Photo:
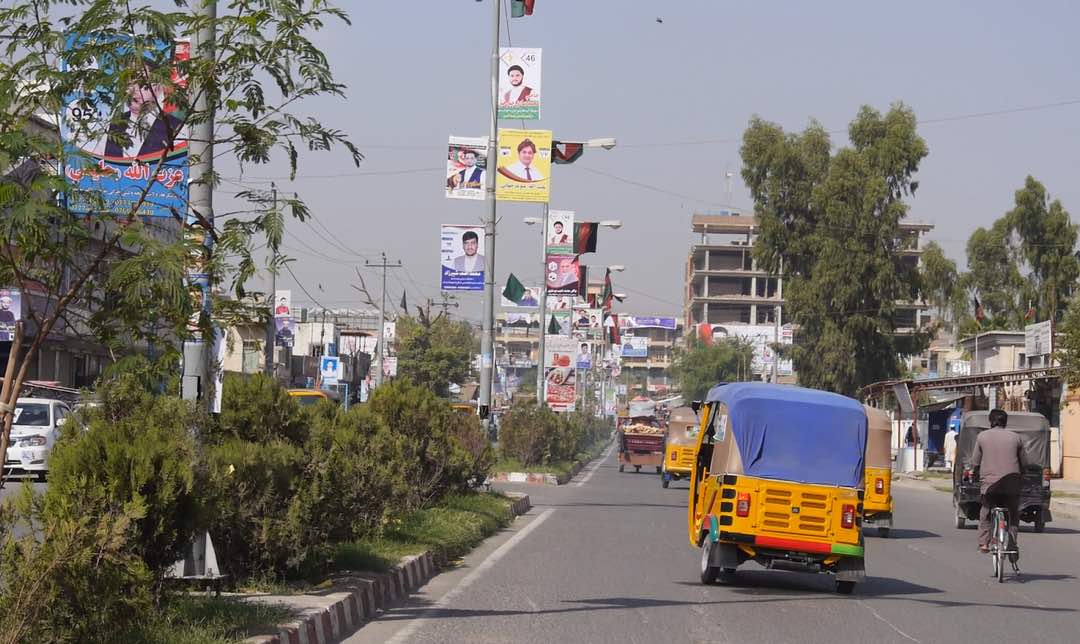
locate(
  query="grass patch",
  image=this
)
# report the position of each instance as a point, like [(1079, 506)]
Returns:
[(188, 619), (449, 529)]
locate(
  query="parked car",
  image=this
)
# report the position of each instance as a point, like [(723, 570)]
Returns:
[(34, 431)]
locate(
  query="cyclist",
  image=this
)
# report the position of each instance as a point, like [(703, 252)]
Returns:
[(999, 461)]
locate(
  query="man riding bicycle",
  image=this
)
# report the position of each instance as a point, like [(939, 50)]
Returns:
[(998, 462)]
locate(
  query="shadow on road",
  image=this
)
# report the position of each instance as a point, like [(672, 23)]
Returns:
[(902, 533), (1055, 530), (1025, 577)]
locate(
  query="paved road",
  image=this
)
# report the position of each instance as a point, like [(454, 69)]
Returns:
[(608, 561)]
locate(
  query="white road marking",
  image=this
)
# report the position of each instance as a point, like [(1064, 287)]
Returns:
[(890, 624), (404, 634), (595, 466)]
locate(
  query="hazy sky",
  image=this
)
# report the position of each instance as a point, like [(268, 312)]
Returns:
[(677, 95)]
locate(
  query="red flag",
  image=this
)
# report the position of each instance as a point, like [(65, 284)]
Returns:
[(606, 295), (979, 313), (585, 237), (1030, 312), (613, 319), (704, 331), (563, 152)]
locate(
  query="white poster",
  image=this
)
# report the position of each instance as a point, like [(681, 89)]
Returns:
[(282, 303), (466, 168), (559, 237), (519, 83), (560, 373), (462, 257), (584, 356)]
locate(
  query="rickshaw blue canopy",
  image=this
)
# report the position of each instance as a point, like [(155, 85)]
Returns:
[(791, 433)]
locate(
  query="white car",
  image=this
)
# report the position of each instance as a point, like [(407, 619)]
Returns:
[(33, 433)]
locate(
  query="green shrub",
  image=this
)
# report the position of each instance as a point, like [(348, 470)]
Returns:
[(255, 408), (143, 456), (528, 434), (250, 486)]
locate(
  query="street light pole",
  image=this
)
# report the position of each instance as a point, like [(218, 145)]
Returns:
[(543, 309), (487, 337)]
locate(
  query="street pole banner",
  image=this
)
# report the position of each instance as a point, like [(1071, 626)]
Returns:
[(562, 274), (462, 258), (282, 304), (635, 347), (519, 83), (390, 367), (10, 312), (109, 160), (330, 370), (466, 168), (587, 323), (639, 322), (560, 233), (560, 375), (528, 301), (584, 355), (524, 166), (560, 308), (283, 331)]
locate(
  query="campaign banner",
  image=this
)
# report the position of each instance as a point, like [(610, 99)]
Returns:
[(389, 366), (530, 300), (524, 166), (520, 319), (761, 337), (584, 355), (462, 257), (562, 275), (466, 168), (560, 307), (635, 347), (282, 304), (112, 153), (639, 322), (560, 374), (519, 83), (284, 329), (10, 313), (559, 237)]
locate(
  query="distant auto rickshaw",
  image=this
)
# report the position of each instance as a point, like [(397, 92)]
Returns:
[(777, 479), (1034, 432), (679, 447), (308, 397), (878, 501)]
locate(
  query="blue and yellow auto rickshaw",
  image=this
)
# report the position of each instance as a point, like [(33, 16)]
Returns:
[(679, 445), (778, 479), (878, 501)]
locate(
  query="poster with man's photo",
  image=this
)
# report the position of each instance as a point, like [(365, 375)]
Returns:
[(462, 257), (559, 237), (562, 274), (466, 168), (523, 166), (519, 83), (10, 312), (284, 331), (530, 300), (560, 372), (584, 355)]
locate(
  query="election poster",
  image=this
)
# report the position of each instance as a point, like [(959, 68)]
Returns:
[(520, 320), (519, 83), (523, 166), (113, 152), (562, 274), (560, 233), (560, 374), (282, 303), (584, 355), (284, 331), (462, 257), (530, 300), (640, 322), (635, 347), (466, 168), (560, 308), (10, 312)]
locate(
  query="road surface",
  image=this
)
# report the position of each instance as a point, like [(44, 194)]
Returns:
[(606, 559)]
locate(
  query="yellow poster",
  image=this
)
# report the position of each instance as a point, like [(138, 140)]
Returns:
[(524, 165)]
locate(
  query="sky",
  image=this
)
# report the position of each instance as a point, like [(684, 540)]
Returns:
[(676, 84)]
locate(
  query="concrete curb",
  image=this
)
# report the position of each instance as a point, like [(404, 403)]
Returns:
[(356, 598), (1065, 507), (542, 478)]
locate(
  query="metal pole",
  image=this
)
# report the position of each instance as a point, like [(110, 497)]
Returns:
[(271, 331), (776, 348), (487, 348), (543, 308), (382, 325)]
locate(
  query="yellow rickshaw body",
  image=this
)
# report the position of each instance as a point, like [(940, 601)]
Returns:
[(878, 501), (681, 442)]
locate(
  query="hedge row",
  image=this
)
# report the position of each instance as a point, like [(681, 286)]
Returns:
[(535, 435)]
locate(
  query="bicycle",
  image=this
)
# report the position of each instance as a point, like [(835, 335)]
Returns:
[(999, 544)]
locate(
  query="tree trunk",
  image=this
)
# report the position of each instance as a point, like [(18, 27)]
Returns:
[(9, 395)]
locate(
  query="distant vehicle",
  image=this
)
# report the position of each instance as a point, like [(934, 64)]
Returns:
[(35, 429), (308, 397)]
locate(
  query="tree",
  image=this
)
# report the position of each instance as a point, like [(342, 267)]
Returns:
[(994, 277), (699, 366), (434, 352), (95, 266), (830, 225), (1068, 353), (1048, 245), (940, 282)]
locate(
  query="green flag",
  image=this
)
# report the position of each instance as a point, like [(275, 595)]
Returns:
[(514, 290), (553, 327)]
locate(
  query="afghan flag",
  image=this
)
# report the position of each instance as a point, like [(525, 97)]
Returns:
[(979, 313), (404, 304), (553, 327), (514, 289), (606, 295), (521, 8), (592, 300), (585, 233), (583, 281), (563, 152), (613, 322)]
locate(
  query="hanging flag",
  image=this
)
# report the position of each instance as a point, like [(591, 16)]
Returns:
[(585, 233), (979, 313), (583, 281), (521, 8), (514, 290), (613, 322), (563, 152), (592, 301), (553, 327), (606, 295), (404, 305), (1030, 312)]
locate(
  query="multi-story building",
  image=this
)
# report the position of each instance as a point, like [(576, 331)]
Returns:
[(653, 370), (724, 284)]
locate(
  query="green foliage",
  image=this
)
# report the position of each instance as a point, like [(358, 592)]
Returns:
[(940, 280), (187, 619), (994, 276), (825, 217), (532, 434), (141, 456), (699, 366), (1068, 349), (256, 408), (435, 352)]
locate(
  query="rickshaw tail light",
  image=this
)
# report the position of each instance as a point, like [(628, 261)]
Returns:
[(847, 518), (879, 486), (674, 456), (742, 504)]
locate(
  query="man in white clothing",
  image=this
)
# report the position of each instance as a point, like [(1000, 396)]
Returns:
[(523, 170)]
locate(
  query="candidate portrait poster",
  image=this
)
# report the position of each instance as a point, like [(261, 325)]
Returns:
[(284, 331), (282, 304), (562, 274), (584, 355), (530, 300), (560, 373), (559, 236), (462, 257), (466, 168), (523, 166), (519, 83), (10, 312), (635, 347)]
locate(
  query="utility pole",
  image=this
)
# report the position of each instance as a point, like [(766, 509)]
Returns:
[(384, 265), (487, 336), (446, 304), (543, 310), (776, 347), (271, 330)]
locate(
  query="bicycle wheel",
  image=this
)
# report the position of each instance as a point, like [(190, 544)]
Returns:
[(1002, 538)]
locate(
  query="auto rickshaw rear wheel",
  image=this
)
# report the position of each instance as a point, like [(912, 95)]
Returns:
[(1040, 522), (960, 520), (709, 573), (845, 587), (664, 482), (637, 468)]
